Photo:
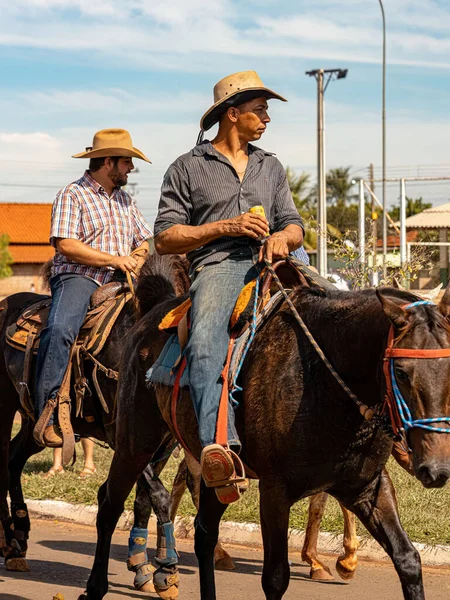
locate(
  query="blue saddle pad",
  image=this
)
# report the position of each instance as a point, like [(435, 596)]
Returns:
[(162, 370)]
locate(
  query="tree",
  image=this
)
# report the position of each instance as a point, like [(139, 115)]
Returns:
[(5, 257), (303, 195), (339, 186), (414, 206)]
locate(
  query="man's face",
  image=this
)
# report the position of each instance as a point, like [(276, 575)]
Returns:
[(119, 173), (252, 118)]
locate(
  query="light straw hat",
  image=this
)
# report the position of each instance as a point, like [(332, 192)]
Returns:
[(112, 142), (228, 91)]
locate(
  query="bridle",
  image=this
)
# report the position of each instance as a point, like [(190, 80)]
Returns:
[(401, 417), (401, 420)]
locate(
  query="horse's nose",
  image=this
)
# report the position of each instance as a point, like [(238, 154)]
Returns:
[(433, 474)]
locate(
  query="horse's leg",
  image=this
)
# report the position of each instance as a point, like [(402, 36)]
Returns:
[(22, 447), (166, 577), (274, 509), (123, 474), (377, 510), (318, 571), (137, 544), (206, 535), (222, 560), (11, 548), (346, 563)]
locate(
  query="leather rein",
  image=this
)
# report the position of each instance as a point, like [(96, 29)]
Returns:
[(400, 415)]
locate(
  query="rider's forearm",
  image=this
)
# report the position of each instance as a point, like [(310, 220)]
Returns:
[(180, 239), (81, 253)]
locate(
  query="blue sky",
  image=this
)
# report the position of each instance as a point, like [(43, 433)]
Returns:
[(71, 67)]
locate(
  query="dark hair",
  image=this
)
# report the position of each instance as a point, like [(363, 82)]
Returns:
[(95, 164)]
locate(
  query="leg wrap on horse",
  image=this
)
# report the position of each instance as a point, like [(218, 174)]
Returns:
[(137, 548), (137, 560), (166, 553), (22, 524), (167, 581)]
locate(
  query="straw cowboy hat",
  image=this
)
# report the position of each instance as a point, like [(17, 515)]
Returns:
[(233, 90), (112, 142)]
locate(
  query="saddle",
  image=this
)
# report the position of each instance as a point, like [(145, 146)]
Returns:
[(105, 306), (255, 300)]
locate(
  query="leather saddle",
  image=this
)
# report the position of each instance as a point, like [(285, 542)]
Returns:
[(105, 306)]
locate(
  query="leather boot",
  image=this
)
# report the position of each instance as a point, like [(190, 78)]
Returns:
[(52, 437)]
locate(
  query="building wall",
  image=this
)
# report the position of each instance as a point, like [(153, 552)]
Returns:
[(23, 278)]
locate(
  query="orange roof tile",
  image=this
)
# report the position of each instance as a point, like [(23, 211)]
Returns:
[(31, 253), (25, 223)]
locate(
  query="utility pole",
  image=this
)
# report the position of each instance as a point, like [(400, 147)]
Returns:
[(374, 227), (323, 78)]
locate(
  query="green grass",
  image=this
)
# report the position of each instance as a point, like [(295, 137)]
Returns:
[(425, 513)]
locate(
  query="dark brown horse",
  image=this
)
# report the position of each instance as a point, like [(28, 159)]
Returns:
[(13, 456), (301, 432)]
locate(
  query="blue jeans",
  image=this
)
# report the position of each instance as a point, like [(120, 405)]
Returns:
[(214, 292), (70, 301)]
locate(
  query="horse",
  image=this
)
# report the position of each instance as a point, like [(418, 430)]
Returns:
[(302, 434), (13, 455)]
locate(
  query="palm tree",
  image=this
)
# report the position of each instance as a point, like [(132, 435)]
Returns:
[(304, 196), (338, 187)]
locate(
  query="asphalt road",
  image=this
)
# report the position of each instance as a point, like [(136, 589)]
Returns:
[(61, 555)]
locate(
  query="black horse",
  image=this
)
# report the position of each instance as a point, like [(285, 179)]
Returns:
[(150, 492), (301, 432)]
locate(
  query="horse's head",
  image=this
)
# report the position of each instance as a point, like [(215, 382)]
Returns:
[(421, 382)]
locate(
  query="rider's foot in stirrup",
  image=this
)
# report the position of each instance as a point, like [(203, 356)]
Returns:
[(52, 436)]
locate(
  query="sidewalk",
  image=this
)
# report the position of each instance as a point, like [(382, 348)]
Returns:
[(246, 534)]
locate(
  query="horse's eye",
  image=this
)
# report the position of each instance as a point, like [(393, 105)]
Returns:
[(401, 376)]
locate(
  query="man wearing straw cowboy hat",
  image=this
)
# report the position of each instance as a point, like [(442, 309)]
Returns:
[(95, 225), (204, 212)]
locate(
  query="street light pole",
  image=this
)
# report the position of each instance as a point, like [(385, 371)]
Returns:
[(321, 181), (383, 120), (320, 75)]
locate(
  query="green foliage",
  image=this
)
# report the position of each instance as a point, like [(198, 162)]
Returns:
[(358, 275), (304, 197), (5, 257), (339, 186), (414, 206)]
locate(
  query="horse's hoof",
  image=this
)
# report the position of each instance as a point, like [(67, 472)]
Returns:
[(225, 563), (321, 574), (17, 564), (168, 584), (148, 588), (82, 597), (343, 572), (143, 580)]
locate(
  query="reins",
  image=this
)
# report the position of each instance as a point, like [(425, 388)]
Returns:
[(401, 416), (401, 419)]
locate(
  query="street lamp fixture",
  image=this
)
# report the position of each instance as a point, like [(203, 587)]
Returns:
[(323, 78)]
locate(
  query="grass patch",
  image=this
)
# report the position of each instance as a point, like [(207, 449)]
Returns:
[(425, 513)]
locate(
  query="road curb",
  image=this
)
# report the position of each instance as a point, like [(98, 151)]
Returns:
[(245, 534)]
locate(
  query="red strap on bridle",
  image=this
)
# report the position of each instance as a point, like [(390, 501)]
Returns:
[(392, 352)]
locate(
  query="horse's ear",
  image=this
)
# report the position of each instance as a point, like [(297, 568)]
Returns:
[(444, 304), (392, 310)]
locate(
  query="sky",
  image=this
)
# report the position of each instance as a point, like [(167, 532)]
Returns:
[(72, 67)]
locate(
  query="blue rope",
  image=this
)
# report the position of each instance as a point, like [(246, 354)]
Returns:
[(234, 386), (403, 409)]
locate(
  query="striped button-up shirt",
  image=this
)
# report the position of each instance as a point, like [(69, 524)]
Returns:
[(113, 224), (202, 186)]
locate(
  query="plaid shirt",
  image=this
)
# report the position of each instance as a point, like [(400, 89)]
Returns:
[(84, 211)]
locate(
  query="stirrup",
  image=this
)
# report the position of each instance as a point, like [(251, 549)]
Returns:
[(221, 466)]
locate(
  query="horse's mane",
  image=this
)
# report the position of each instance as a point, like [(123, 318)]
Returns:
[(321, 301), (161, 277)]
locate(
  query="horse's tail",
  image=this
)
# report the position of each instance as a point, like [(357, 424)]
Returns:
[(161, 278)]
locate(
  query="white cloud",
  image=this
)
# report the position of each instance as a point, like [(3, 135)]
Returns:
[(168, 33)]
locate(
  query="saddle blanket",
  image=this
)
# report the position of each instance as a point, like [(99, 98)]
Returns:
[(164, 370)]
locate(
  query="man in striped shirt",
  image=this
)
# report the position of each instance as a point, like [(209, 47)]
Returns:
[(95, 226), (204, 212)]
